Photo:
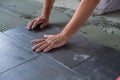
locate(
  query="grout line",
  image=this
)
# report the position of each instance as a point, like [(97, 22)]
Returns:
[(87, 59), (19, 43), (83, 61), (20, 64), (62, 65)]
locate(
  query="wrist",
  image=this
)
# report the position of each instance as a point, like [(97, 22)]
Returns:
[(64, 36), (44, 15), (45, 12)]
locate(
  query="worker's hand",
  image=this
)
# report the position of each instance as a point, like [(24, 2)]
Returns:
[(40, 20), (48, 42)]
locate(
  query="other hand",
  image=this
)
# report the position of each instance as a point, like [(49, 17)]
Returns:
[(40, 20)]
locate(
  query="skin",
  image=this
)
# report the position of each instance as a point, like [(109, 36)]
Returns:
[(49, 42)]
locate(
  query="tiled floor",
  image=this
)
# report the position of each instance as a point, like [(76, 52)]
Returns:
[(79, 59)]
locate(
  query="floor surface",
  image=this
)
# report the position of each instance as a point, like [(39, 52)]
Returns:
[(79, 59), (91, 54)]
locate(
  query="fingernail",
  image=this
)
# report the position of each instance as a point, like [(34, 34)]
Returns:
[(45, 35), (33, 48), (37, 50)]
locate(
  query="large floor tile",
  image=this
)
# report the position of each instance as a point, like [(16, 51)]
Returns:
[(74, 52), (40, 68), (12, 53), (103, 66)]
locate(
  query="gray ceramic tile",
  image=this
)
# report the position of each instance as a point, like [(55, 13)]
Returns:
[(40, 68), (103, 66), (77, 50), (12, 53), (24, 36)]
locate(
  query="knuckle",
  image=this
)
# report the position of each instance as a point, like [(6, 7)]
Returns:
[(43, 18), (31, 21)]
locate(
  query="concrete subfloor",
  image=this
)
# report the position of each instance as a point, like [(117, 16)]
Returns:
[(104, 29)]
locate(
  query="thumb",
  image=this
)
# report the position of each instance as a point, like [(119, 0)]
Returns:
[(42, 25), (46, 36)]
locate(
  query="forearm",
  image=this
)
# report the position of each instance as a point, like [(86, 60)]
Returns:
[(80, 16), (47, 6)]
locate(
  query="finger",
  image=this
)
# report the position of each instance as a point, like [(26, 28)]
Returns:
[(29, 25), (38, 45), (38, 21), (35, 24), (42, 25), (42, 47), (48, 48), (46, 37), (37, 41)]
